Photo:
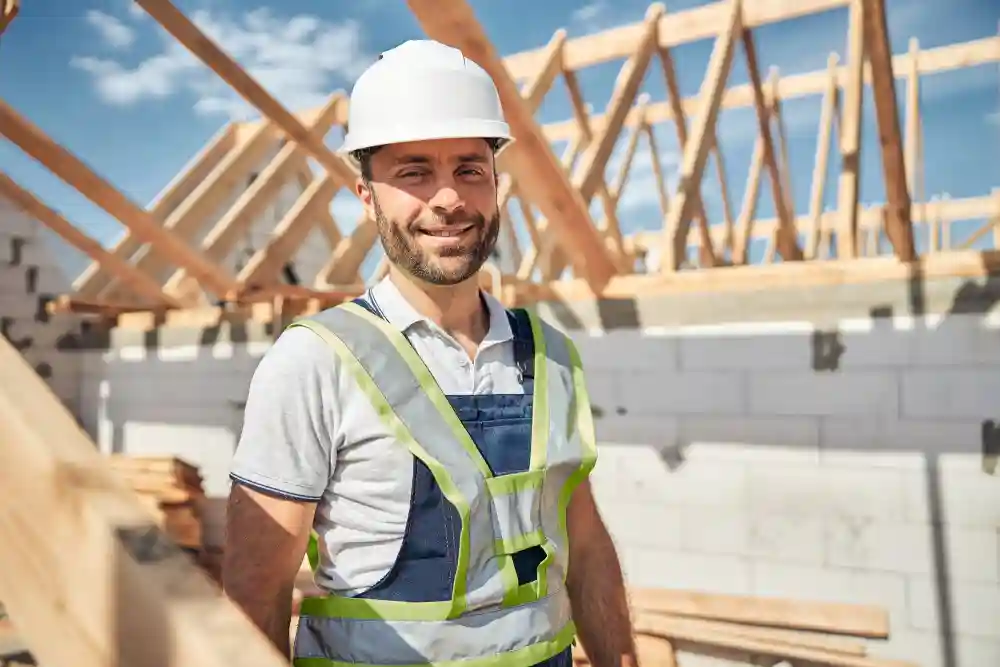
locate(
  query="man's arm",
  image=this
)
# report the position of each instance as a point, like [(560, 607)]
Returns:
[(281, 468), (266, 539), (596, 586)]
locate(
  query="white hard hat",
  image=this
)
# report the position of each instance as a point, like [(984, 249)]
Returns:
[(422, 90)]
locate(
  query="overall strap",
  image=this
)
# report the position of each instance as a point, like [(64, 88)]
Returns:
[(524, 347)]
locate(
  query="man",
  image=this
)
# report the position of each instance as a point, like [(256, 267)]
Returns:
[(435, 445)]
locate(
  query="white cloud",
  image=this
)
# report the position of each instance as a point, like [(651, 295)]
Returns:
[(113, 31), (300, 60), (593, 17), (134, 10)]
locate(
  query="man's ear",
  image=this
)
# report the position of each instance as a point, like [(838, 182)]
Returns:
[(364, 191)]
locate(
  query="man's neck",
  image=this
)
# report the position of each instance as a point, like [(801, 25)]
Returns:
[(458, 309)]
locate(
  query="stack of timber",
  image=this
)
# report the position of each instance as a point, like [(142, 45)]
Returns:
[(172, 489), (752, 630)]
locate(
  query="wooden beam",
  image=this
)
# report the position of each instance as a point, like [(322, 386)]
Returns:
[(542, 82), (675, 28), (541, 177), (696, 150), (141, 283), (897, 222), (594, 160), (588, 174), (74, 172), (786, 241), (707, 256), (756, 277), (347, 259), (969, 208), (199, 44), (230, 175), (822, 162), (932, 61), (124, 594), (850, 136), (91, 281), (289, 234), (221, 238), (748, 210), (686, 630), (8, 11)]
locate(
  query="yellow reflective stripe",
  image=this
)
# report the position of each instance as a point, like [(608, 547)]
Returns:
[(312, 551), (507, 547), (386, 608), (540, 407), (520, 543), (427, 383), (332, 606), (529, 655), (588, 442), (515, 482)]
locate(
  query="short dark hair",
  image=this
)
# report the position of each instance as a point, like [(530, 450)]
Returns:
[(364, 156)]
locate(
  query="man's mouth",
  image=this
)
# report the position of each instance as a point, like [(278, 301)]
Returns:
[(447, 232)]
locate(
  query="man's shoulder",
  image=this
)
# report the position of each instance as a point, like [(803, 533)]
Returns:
[(297, 353)]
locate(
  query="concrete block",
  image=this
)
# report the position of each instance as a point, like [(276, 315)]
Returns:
[(655, 393), (791, 440), (827, 491), (16, 223), (746, 345), (922, 649), (786, 538), (636, 524), (640, 472), (828, 584), (967, 554), (17, 306), (950, 393), (958, 340), (891, 437), (976, 651), (657, 432), (714, 530), (675, 569), (627, 349), (821, 394), (871, 343), (965, 608), (954, 495)]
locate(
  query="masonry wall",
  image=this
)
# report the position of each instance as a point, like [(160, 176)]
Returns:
[(29, 277), (835, 444), (826, 443)]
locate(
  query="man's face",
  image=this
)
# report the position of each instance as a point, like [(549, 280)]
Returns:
[(436, 207)]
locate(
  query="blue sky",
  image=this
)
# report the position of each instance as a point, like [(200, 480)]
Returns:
[(108, 84)]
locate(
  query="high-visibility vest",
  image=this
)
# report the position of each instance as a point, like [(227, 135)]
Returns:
[(490, 618)]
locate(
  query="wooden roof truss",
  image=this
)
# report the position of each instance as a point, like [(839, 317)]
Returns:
[(171, 256)]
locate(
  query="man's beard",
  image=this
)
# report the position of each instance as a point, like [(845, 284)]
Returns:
[(404, 251)]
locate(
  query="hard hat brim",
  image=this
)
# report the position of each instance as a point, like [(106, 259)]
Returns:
[(451, 129)]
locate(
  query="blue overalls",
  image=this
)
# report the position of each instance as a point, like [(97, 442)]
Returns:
[(500, 426)]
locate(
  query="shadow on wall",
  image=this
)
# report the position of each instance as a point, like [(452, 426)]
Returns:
[(904, 368)]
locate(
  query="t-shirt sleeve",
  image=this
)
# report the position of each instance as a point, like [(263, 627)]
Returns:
[(287, 444)]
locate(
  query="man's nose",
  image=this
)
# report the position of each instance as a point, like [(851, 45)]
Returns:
[(446, 198)]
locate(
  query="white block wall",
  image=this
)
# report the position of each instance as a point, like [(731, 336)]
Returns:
[(753, 473), (29, 274)]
